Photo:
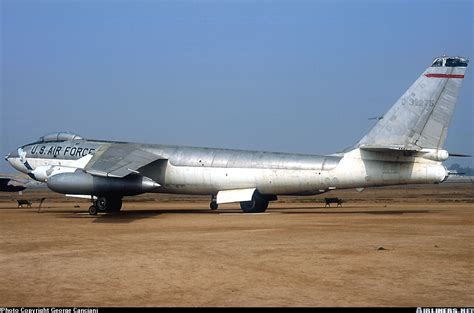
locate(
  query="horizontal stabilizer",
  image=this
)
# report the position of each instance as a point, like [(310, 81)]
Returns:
[(430, 154), (389, 148)]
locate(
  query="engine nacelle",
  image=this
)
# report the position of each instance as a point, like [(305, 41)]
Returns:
[(423, 173), (81, 183), (436, 174), (435, 155)]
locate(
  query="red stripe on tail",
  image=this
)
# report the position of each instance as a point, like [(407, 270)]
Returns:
[(444, 75)]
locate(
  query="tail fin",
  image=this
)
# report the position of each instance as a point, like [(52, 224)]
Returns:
[(420, 118)]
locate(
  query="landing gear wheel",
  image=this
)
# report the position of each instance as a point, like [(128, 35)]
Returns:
[(92, 210), (115, 204), (102, 204), (258, 204), (109, 204), (213, 205)]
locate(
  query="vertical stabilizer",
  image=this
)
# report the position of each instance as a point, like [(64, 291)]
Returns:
[(420, 118)]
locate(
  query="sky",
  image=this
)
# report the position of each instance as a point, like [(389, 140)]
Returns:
[(288, 76)]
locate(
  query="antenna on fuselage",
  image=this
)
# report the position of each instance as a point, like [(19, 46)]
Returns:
[(378, 118)]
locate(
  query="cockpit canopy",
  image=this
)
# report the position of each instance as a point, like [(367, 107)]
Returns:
[(61, 136), (450, 62)]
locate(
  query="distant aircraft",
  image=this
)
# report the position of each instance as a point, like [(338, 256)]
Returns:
[(405, 147), (12, 184)]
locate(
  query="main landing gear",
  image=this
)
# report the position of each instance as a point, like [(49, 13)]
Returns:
[(258, 204), (105, 204)]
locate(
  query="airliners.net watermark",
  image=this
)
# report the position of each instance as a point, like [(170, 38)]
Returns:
[(444, 310)]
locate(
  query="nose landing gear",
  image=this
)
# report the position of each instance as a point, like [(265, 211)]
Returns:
[(213, 205), (93, 210)]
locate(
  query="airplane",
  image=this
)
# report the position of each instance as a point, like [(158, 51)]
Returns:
[(405, 147), (12, 184), (17, 183)]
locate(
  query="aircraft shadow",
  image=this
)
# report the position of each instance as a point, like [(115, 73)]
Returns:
[(123, 216), (130, 216), (133, 215)]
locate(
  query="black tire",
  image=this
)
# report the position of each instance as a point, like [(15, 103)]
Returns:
[(92, 210), (115, 205), (109, 204), (102, 203), (213, 205), (256, 205)]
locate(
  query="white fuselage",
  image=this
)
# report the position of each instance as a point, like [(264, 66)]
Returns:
[(351, 172), (354, 169)]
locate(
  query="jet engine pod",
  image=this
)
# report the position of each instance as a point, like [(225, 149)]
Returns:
[(82, 183), (436, 174), (41, 173)]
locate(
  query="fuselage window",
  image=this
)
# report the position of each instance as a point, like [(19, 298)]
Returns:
[(437, 63), (455, 62)]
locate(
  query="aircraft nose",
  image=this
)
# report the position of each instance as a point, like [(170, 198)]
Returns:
[(14, 159), (11, 156)]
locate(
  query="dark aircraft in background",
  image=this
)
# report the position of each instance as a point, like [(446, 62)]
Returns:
[(12, 184)]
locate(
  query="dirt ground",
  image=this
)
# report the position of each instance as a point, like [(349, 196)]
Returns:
[(404, 246)]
